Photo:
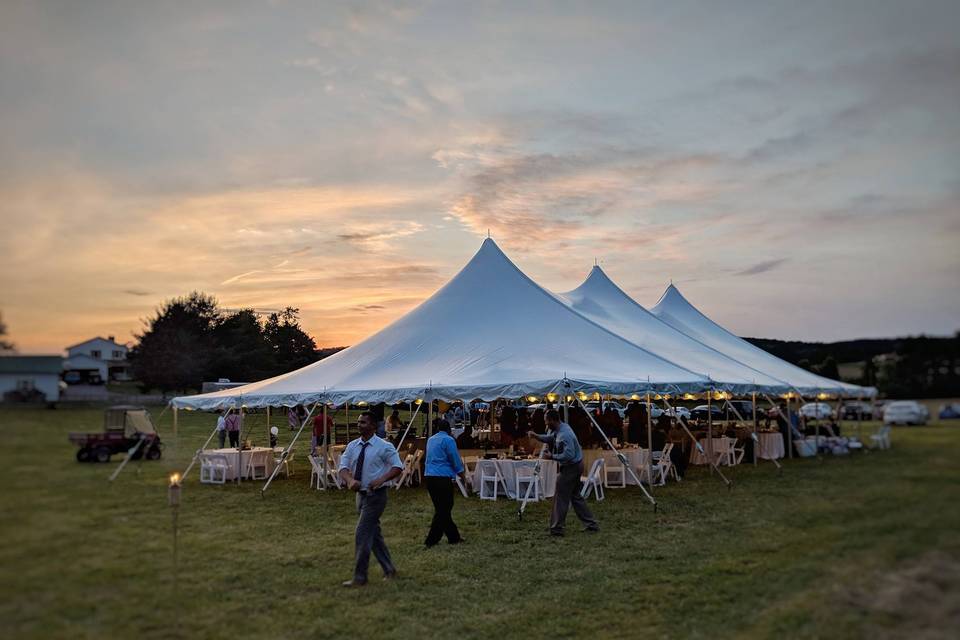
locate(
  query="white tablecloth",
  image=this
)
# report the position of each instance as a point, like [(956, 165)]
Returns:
[(637, 457), (261, 455), (548, 475), (770, 446)]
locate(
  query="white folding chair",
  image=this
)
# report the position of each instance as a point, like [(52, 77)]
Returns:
[(407, 472), (663, 465), (470, 468), (416, 472), (737, 453), (490, 479), (523, 477), (285, 463), (881, 439), (213, 469), (256, 468), (614, 473), (592, 481), (316, 471)]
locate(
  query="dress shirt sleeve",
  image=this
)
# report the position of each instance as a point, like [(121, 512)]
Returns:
[(346, 459), (546, 438), (390, 456), (563, 450), (454, 456)]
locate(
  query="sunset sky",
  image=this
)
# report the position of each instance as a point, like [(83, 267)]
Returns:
[(794, 167)]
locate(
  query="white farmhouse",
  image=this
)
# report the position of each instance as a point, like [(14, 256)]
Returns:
[(95, 361), (25, 377)]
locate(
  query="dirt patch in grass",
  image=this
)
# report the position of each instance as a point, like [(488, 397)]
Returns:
[(919, 598)]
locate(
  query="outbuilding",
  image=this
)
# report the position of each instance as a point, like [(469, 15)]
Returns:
[(30, 378)]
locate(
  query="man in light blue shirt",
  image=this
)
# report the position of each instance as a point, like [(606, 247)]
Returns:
[(565, 450), (442, 466), (367, 465)]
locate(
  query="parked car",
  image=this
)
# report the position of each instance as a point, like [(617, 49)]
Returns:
[(905, 412), (816, 410), (855, 409), (743, 407), (678, 412), (596, 408), (949, 411), (701, 412)]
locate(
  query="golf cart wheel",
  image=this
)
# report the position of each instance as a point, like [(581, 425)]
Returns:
[(101, 454), (153, 453), (83, 455)]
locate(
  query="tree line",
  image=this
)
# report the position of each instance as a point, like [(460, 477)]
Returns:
[(191, 340)]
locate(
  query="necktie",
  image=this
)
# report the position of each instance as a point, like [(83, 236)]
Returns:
[(358, 474)]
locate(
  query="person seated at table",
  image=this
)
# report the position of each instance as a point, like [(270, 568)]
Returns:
[(508, 424), (536, 421), (523, 422), (659, 437), (832, 427), (582, 427), (680, 453), (395, 424)]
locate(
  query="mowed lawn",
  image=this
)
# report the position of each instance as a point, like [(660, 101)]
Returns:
[(849, 547)]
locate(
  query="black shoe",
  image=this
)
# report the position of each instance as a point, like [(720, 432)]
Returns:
[(459, 541), (592, 529), (390, 576), (558, 534), (353, 583)]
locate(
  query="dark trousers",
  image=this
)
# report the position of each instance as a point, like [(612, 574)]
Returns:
[(369, 537), (679, 457), (234, 438), (222, 438), (441, 492), (567, 491)]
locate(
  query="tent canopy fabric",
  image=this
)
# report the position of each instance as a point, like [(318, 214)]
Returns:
[(676, 311), (490, 332), (601, 300)]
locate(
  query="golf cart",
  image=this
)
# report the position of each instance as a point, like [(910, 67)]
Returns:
[(124, 428)]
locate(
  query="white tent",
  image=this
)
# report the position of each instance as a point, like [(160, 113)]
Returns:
[(676, 311), (490, 332), (602, 301)]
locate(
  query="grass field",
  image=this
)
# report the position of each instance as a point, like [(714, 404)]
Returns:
[(838, 548)]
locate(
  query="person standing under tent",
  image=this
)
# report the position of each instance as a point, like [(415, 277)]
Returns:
[(221, 430), (636, 422), (366, 466), (293, 418), (317, 439), (566, 451), (441, 467), (232, 422), (395, 424)]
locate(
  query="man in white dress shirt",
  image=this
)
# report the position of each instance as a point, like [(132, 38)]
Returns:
[(367, 465)]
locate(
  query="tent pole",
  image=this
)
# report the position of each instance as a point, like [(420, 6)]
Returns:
[(789, 428), (649, 442), (430, 418), (786, 418), (346, 408), (268, 424), (289, 448), (817, 431), (622, 458), (196, 455), (859, 415), (753, 428), (697, 444), (409, 424), (710, 428), (326, 446), (175, 421), (240, 444)]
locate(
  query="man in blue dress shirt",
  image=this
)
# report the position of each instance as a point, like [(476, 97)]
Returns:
[(565, 450), (366, 466), (442, 466)]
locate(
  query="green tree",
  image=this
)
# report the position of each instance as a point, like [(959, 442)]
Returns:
[(177, 349), (242, 351), (292, 347)]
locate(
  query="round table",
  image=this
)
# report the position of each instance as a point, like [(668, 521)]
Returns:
[(770, 446)]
